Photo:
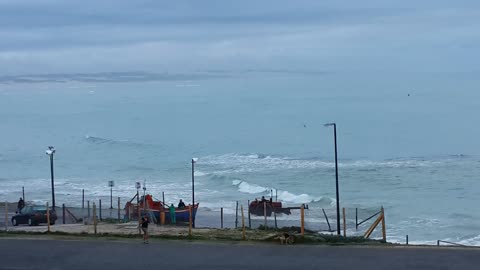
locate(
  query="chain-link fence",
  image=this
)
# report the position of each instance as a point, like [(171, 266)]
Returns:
[(315, 219)]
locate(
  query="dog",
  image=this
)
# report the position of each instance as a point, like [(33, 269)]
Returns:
[(286, 238)]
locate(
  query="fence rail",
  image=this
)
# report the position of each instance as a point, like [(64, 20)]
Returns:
[(315, 219), (365, 220), (450, 243)]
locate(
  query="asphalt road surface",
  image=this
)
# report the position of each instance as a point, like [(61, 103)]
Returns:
[(133, 254)]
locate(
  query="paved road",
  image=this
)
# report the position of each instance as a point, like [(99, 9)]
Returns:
[(132, 254)]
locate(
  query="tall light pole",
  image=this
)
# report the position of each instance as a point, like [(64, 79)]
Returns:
[(50, 153), (336, 173), (144, 194), (111, 184), (193, 189)]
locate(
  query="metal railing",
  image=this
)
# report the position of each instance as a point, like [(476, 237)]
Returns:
[(365, 220), (450, 243)]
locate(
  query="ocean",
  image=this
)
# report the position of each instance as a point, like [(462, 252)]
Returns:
[(407, 142)]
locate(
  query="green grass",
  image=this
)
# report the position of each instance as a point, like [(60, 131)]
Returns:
[(219, 235)]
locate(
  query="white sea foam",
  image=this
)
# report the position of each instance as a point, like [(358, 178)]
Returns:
[(284, 196), (236, 182), (200, 173), (293, 198), (251, 188), (473, 241), (244, 163)]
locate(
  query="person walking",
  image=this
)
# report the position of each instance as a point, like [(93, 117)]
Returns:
[(172, 214), (145, 229)]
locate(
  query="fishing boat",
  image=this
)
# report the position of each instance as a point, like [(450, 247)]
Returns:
[(267, 207), (146, 206)]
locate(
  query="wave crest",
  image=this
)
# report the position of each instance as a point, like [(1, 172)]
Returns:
[(283, 195), (245, 163)]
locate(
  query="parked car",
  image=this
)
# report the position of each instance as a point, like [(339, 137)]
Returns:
[(33, 215)]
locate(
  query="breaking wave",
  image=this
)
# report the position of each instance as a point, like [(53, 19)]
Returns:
[(283, 195), (244, 163)]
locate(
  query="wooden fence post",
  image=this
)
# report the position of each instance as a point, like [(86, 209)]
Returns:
[(243, 226), (139, 219), (221, 217), (249, 219), (302, 219), (275, 217), (384, 232), (94, 218), (118, 209), (326, 218), (48, 218), (265, 214), (63, 213), (6, 216), (248, 212), (162, 216), (373, 226), (356, 219), (236, 215), (190, 221)]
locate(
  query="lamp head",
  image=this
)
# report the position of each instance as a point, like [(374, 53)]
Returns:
[(194, 160), (50, 151), (329, 124)]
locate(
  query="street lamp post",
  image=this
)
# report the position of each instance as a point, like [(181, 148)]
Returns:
[(138, 186), (144, 194), (336, 173), (193, 189), (50, 153), (111, 184)]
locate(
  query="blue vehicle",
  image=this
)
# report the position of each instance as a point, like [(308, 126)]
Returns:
[(33, 215)]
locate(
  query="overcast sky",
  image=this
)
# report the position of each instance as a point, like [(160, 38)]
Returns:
[(89, 36)]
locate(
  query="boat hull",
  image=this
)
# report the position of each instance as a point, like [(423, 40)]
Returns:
[(259, 208), (148, 207), (181, 215)]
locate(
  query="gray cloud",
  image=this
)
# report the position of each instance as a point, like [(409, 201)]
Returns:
[(48, 36)]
